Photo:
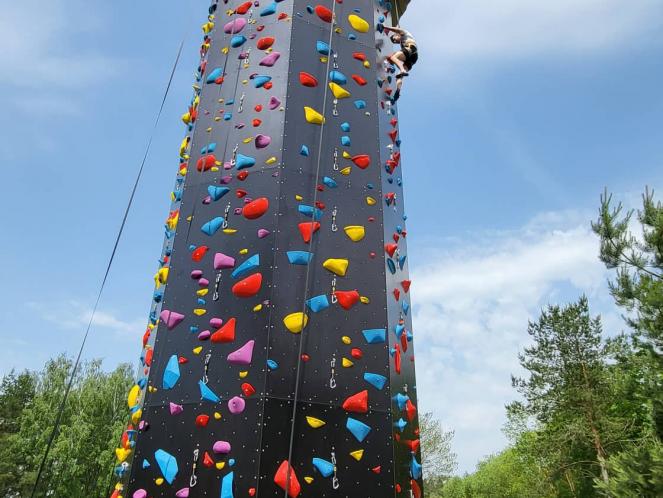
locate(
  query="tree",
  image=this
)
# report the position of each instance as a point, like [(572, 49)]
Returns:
[(568, 395), (638, 285), (439, 462), (82, 456)]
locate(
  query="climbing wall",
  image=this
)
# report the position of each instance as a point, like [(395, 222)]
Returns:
[(278, 357)]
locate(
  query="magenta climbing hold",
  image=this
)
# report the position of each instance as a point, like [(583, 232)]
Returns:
[(175, 409), (235, 26), (263, 232), (243, 355), (270, 60), (171, 318), (215, 322), (262, 141), (140, 493), (236, 405), (221, 447), (222, 261), (182, 493), (274, 103)]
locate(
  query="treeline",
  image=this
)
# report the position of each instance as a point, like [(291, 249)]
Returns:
[(82, 458), (590, 417)]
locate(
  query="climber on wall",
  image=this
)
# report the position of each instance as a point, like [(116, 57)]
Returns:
[(404, 58)]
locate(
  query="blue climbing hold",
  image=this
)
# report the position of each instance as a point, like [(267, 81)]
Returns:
[(208, 148), (172, 373), (310, 211), (207, 393), (375, 336), (392, 266), (398, 330), (304, 151), (212, 226), (237, 41), (360, 104), (214, 75), (345, 127), (338, 77), (167, 464), (406, 308), (146, 464), (322, 48), (324, 467), (247, 266), (260, 80), (272, 365), (269, 10), (376, 380), (358, 429), (227, 486), (401, 400), (345, 141), (400, 424), (216, 192), (318, 303), (415, 468), (300, 257), (242, 161), (329, 182)]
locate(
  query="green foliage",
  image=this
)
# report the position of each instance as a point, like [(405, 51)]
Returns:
[(439, 461), (82, 456), (636, 473)]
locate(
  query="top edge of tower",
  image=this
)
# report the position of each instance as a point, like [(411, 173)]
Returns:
[(400, 6)]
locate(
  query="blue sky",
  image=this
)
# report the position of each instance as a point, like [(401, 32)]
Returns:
[(516, 117)]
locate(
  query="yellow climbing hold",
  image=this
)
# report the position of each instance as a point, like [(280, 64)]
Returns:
[(338, 91), (135, 416), (243, 374), (247, 140), (217, 416), (355, 232), (161, 277), (346, 171), (229, 231), (337, 266), (243, 251), (257, 307), (364, 300), (370, 201), (357, 454), (199, 311), (299, 198), (122, 454), (346, 155), (158, 481), (308, 479), (316, 423), (197, 350), (220, 465), (202, 292), (346, 340), (152, 389), (271, 160), (134, 393), (358, 24), (346, 363), (367, 64), (295, 322), (313, 116)]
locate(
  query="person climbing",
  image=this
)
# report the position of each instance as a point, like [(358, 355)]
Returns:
[(404, 58)]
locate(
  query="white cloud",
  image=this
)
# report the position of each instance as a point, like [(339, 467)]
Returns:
[(472, 300)]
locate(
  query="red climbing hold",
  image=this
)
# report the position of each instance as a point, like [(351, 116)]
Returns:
[(323, 13), (390, 249), (393, 134), (206, 162), (397, 360), (225, 333), (357, 403), (202, 420), (182, 360), (255, 209), (347, 299), (282, 16), (240, 193), (398, 488), (265, 43), (359, 80), (307, 79), (410, 410), (404, 342), (360, 56), (307, 229), (148, 357), (258, 108), (256, 123), (199, 253), (416, 490), (248, 390), (356, 353), (244, 8), (397, 294), (252, 491), (242, 175), (285, 476), (249, 286), (207, 460), (406, 285), (362, 161), (377, 469)]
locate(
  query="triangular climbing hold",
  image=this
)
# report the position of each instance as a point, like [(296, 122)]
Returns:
[(337, 266), (347, 299), (355, 232), (316, 423), (243, 355), (226, 333), (357, 428), (313, 116), (167, 465), (357, 454), (286, 479), (171, 373), (338, 91), (362, 161), (207, 393), (357, 403), (307, 229), (249, 286)]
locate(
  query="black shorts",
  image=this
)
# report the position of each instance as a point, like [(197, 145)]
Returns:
[(411, 56)]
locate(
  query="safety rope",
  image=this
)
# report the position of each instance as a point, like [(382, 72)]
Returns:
[(308, 267), (72, 377)]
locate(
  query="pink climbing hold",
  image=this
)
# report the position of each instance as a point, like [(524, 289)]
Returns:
[(196, 274), (204, 335), (171, 318), (215, 323), (222, 261), (182, 493), (236, 405), (262, 141), (235, 26), (243, 355), (263, 232), (221, 447), (140, 493), (270, 60), (274, 103), (175, 409)]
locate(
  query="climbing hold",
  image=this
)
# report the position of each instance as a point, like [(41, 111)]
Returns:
[(274, 103), (262, 141), (182, 493), (215, 76), (338, 91), (307, 229), (255, 209), (337, 266), (267, 11), (295, 322), (175, 409), (371, 201), (236, 405), (337, 77), (310, 211), (199, 253), (324, 13), (167, 465), (247, 266), (171, 318), (235, 26), (347, 363), (227, 486), (207, 393), (212, 226), (362, 161), (222, 261), (139, 493), (347, 299), (316, 423), (134, 393), (313, 116), (249, 286), (299, 257), (261, 81), (357, 428), (221, 447), (359, 80), (243, 161), (237, 41), (355, 232), (318, 303), (304, 151), (307, 79), (322, 48), (323, 466), (265, 43), (357, 403), (262, 233), (226, 333), (357, 454), (270, 60), (216, 192), (375, 336), (243, 355), (286, 479), (358, 24), (376, 380)]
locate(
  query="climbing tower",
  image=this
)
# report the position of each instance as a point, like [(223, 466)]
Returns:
[(278, 357)]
